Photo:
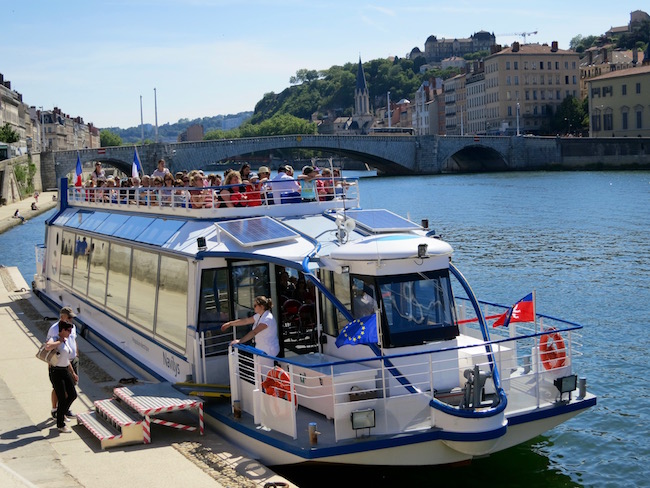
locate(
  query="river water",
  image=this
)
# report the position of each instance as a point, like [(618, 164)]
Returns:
[(580, 239)]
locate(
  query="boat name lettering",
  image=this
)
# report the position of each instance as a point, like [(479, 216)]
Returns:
[(170, 362), (140, 344)]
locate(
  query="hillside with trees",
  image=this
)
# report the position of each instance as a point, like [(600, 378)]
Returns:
[(169, 132), (333, 89)]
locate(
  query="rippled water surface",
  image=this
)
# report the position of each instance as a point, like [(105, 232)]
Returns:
[(581, 240)]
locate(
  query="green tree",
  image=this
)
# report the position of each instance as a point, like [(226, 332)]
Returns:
[(8, 135), (304, 76), (108, 138), (569, 117)]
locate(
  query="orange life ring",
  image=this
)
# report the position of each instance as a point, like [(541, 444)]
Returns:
[(278, 384), (552, 351)]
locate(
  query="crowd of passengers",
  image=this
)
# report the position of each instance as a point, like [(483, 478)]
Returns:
[(194, 189)]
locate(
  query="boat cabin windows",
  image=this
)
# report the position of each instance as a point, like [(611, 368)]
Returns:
[(67, 250), (142, 291), (119, 269), (214, 310), (339, 285), (297, 311), (146, 288), (417, 308), (171, 314), (98, 270)]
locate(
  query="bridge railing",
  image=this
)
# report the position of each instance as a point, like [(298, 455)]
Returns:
[(213, 201)]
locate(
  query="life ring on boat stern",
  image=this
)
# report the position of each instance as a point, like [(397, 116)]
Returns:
[(552, 351), (278, 384)]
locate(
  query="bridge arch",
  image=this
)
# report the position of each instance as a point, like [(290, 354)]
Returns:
[(474, 158)]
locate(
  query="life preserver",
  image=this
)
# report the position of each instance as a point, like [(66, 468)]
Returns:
[(278, 384), (552, 351)]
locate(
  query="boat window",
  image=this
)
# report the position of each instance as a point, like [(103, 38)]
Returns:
[(363, 296), (55, 262), (249, 281), (297, 311), (98, 270), (171, 317), (214, 310), (417, 308), (339, 285), (142, 292), (80, 264), (119, 269), (67, 250)]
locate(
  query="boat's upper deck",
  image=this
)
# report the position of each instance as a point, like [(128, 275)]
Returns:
[(205, 203)]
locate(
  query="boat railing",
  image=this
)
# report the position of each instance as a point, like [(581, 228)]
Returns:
[(398, 388), (208, 202)]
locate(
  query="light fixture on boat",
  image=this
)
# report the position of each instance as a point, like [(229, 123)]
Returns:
[(345, 269), (363, 419), (422, 250), (201, 244), (566, 384)]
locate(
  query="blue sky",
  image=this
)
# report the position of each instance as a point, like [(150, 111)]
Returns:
[(206, 57)]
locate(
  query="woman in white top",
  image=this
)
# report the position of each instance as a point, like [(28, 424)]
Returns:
[(265, 329), (63, 376)]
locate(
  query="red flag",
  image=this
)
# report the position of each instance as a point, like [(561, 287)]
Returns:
[(522, 311)]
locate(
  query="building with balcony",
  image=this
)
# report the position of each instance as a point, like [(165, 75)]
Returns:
[(538, 77)]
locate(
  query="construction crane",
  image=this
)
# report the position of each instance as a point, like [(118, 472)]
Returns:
[(522, 34)]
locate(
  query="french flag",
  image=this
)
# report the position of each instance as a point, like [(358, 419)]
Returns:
[(78, 173), (522, 311), (136, 168)]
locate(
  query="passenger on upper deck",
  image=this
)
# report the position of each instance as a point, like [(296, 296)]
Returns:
[(144, 190), (281, 183), (199, 198), (308, 186), (231, 196), (98, 172), (326, 185), (154, 193), (253, 191), (167, 190), (244, 172), (160, 170)]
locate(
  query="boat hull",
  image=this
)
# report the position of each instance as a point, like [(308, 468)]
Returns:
[(422, 449)]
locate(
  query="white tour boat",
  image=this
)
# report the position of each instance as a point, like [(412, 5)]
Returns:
[(422, 378)]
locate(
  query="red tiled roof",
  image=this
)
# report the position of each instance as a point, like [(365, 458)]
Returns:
[(639, 70)]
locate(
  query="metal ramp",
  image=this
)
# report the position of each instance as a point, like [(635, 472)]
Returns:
[(127, 417)]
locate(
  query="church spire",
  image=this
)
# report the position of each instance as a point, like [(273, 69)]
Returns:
[(361, 95)]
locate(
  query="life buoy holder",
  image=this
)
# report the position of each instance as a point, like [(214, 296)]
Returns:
[(278, 384), (552, 351)]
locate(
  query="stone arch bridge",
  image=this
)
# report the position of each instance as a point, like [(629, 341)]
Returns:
[(391, 155)]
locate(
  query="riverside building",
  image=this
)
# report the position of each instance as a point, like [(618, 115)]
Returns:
[(618, 103), (527, 83)]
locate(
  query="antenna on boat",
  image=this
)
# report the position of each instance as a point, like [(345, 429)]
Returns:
[(345, 226)]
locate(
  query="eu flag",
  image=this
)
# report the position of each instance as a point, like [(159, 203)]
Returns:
[(359, 331)]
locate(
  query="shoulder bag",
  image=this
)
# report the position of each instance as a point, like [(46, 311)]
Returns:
[(51, 357)]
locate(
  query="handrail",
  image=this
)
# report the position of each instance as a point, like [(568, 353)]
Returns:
[(139, 198), (253, 350)]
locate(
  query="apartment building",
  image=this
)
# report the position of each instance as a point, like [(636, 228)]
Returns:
[(599, 61), (475, 90), (455, 105), (534, 78), (619, 103)]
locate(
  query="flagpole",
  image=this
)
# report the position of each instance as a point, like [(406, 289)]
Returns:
[(155, 102), (535, 309), (141, 120)]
